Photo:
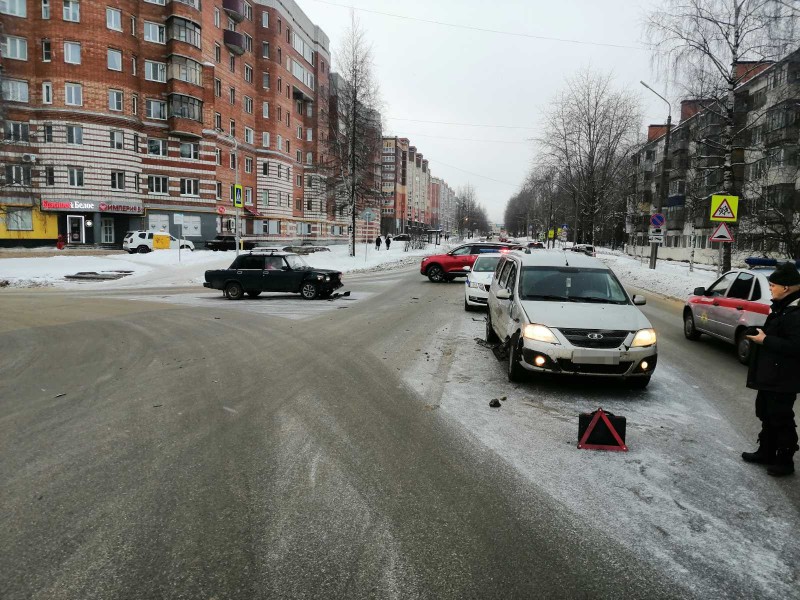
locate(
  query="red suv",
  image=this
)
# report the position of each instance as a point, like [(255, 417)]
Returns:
[(445, 267)]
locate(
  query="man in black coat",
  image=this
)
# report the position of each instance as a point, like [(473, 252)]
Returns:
[(775, 372)]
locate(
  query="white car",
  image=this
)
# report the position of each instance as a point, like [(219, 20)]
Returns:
[(566, 313), (476, 288), (142, 242)]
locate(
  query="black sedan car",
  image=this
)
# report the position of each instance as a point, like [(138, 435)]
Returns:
[(256, 272)]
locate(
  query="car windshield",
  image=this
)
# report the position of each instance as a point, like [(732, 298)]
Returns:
[(571, 284), (484, 264), (295, 262)]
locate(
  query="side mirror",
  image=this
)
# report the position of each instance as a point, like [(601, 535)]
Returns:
[(639, 300), (468, 268), (699, 291), (503, 294)]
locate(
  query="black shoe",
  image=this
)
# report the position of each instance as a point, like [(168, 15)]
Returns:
[(761, 456)]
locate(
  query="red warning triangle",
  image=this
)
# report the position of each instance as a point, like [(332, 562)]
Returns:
[(724, 211), (600, 414), (722, 234)]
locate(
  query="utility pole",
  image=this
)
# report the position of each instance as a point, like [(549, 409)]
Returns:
[(235, 190), (662, 192)]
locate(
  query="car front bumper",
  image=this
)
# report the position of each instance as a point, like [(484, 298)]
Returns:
[(475, 296), (570, 360)]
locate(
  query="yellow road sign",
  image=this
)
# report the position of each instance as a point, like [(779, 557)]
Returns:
[(724, 208), (237, 196), (161, 241)]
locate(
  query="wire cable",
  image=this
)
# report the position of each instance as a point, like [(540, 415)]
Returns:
[(433, 160)]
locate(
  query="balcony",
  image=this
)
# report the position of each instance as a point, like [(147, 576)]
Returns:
[(234, 41), (234, 9), (784, 135)]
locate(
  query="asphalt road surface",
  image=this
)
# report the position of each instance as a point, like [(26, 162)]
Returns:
[(213, 450)]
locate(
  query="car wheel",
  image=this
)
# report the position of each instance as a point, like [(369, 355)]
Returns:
[(689, 329), (638, 383), (490, 336), (184, 247), (743, 348), (435, 273), (309, 290), (254, 294), (215, 249), (143, 249), (234, 291), (516, 372)]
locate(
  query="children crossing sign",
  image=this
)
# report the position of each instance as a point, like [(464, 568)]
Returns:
[(724, 208)]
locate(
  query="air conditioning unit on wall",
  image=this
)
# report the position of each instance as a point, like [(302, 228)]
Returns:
[(29, 158)]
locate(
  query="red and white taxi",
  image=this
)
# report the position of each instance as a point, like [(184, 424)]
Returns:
[(737, 300)]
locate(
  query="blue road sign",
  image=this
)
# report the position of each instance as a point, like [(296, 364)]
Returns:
[(657, 220)]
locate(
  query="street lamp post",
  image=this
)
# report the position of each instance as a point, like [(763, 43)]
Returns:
[(662, 192)]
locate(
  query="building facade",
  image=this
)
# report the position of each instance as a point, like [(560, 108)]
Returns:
[(124, 115)]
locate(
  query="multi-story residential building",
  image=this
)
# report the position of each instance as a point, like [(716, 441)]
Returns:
[(418, 180), (765, 169), (394, 190), (442, 205), (122, 116)]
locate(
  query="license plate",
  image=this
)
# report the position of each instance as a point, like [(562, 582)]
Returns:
[(595, 357)]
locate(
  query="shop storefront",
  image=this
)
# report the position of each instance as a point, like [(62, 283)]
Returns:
[(95, 221)]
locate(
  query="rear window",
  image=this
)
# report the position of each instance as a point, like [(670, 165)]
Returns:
[(485, 264), (571, 284)]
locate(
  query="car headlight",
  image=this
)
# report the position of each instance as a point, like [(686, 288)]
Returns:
[(320, 277), (474, 284), (644, 337), (539, 333)]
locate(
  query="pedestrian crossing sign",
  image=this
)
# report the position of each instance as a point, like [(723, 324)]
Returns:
[(724, 208), (237, 196)]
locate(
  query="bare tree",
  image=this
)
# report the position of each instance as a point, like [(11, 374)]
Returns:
[(353, 170), (712, 46), (588, 134), (470, 215)]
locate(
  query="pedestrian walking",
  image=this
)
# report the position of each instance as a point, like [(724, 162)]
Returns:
[(388, 241), (378, 243), (775, 374)]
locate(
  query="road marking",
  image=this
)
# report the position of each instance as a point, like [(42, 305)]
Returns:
[(230, 410)]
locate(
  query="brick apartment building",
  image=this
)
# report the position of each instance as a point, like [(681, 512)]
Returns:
[(766, 169), (121, 115)]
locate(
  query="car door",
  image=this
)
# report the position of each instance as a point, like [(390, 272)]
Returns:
[(273, 278), (292, 273), (502, 308), (249, 270), (460, 258), (709, 314), (731, 308)]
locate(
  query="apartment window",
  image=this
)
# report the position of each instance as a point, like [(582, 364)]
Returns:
[(280, 26), (248, 105), (248, 195), (153, 32), (186, 107), (265, 110), (248, 11), (114, 60), (264, 49), (299, 132), (18, 175), (155, 109), (19, 219), (280, 57), (157, 184), (47, 92), (75, 176), (232, 128), (190, 150), (133, 26), (74, 134), (160, 2), (48, 134), (14, 47), (265, 80), (217, 53), (49, 176), (248, 43), (280, 147), (298, 155), (309, 158), (265, 140), (47, 55), (117, 180), (156, 147), (72, 53), (16, 132), (135, 104), (133, 65), (309, 135), (232, 160), (72, 11), (216, 17), (190, 187), (219, 190), (15, 8), (45, 9), (232, 63), (288, 147), (298, 180), (248, 164), (73, 94), (265, 19), (184, 31), (116, 139), (248, 73), (185, 69), (248, 135), (279, 113), (217, 87), (232, 95), (135, 145), (218, 156), (218, 121), (115, 100), (114, 19), (155, 71)]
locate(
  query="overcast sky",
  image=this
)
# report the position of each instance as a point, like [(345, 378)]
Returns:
[(435, 72)]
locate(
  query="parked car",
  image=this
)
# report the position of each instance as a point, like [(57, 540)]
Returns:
[(142, 242), (568, 315), (586, 249), (479, 278), (445, 267), (228, 242), (257, 272), (536, 245), (401, 237), (737, 300), (306, 249)]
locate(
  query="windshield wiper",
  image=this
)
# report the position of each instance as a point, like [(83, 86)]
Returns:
[(598, 299), (546, 297)]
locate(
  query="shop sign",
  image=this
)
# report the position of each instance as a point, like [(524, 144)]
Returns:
[(92, 206)]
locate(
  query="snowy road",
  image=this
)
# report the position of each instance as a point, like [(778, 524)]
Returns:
[(176, 450)]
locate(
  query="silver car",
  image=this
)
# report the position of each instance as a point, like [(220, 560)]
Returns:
[(566, 313)]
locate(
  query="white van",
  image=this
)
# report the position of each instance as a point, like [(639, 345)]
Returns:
[(142, 242)]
